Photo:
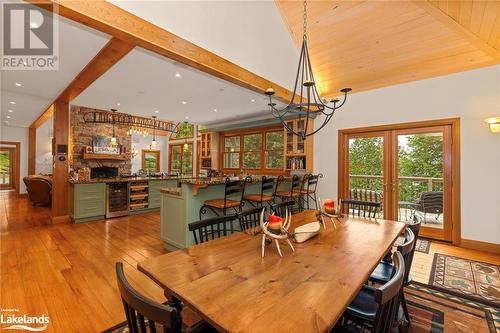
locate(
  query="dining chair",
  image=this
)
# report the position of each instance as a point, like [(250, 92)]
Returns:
[(232, 188), (361, 208), (250, 218), (212, 228), (376, 309), (280, 209), (265, 195)]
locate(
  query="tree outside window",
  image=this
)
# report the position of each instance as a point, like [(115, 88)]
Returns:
[(151, 160), (232, 152), (184, 130), (252, 151), (274, 150)]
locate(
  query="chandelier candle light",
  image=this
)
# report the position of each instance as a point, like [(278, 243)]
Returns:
[(306, 101)]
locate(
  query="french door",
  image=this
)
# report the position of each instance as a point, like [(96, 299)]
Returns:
[(408, 169), (7, 168)]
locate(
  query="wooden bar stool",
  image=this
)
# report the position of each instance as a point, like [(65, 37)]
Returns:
[(231, 188), (308, 191), (293, 191), (266, 193)]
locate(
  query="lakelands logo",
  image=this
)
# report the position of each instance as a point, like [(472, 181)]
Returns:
[(16, 321), (29, 38)]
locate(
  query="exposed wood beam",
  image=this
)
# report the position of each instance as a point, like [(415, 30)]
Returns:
[(31, 151), (454, 25), (43, 117), (110, 19)]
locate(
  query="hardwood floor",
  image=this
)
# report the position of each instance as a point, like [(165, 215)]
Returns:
[(66, 271)]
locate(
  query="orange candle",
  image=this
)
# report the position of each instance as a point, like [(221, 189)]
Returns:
[(329, 206)]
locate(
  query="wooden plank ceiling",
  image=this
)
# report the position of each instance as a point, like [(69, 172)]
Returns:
[(372, 44)]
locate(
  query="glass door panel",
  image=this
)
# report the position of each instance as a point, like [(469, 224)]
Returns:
[(6, 168), (366, 165)]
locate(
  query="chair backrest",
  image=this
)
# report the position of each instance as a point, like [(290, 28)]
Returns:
[(432, 202), (141, 311), (296, 183), (232, 187), (250, 218), (365, 195), (279, 209), (388, 298), (312, 182), (39, 188), (361, 208), (279, 181), (246, 181), (406, 249), (267, 186), (415, 227), (212, 228)]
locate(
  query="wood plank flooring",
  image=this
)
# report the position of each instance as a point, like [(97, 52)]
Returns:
[(66, 271)]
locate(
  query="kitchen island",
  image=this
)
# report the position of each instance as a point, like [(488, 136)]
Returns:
[(181, 206)]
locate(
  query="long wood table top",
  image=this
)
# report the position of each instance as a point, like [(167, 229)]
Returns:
[(229, 285)]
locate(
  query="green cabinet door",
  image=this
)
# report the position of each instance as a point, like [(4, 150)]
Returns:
[(89, 201), (154, 197)]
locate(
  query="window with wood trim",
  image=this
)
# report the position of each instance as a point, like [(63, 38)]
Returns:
[(232, 145), (274, 150), (252, 151), (151, 160), (181, 159)]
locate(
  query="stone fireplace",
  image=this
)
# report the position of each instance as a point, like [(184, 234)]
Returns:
[(81, 136)]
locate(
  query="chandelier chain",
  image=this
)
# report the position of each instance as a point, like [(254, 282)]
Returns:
[(305, 18)]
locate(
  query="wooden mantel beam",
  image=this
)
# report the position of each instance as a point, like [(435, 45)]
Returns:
[(110, 19)]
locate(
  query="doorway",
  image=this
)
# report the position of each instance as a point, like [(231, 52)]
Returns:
[(410, 169), (9, 166)]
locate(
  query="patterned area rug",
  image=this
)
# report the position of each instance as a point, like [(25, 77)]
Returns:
[(477, 280), (423, 245), (433, 311)]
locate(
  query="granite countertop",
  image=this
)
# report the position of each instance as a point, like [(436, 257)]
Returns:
[(220, 180), (120, 179)]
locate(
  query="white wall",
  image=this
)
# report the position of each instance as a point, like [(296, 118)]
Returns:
[(472, 96), (251, 34), (140, 142), (43, 158), (18, 134)]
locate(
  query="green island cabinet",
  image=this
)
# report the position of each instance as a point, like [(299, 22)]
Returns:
[(88, 202), (154, 195)]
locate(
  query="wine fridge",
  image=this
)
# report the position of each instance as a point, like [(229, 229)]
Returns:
[(117, 202)]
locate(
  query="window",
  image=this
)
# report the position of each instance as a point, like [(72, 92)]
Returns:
[(151, 160), (274, 150), (184, 131), (254, 149), (181, 159), (232, 152)]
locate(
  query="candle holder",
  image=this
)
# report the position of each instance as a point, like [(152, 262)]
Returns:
[(322, 215), (276, 234)]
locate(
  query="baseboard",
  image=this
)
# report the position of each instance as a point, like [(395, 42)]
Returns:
[(60, 219), (480, 246)]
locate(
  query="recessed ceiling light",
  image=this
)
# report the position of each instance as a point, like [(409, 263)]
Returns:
[(8, 117), (34, 25), (184, 102), (13, 103), (187, 117), (177, 74), (252, 100), (215, 110), (118, 104), (10, 111), (18, 84), (156, 111)]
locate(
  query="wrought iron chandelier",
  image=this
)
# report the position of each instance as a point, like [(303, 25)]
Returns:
[(306, 101)]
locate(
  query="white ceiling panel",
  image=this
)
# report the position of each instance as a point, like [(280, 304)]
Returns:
[(78, 44), (143, 82)]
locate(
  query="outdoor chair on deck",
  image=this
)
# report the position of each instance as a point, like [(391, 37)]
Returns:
[(430, 202)]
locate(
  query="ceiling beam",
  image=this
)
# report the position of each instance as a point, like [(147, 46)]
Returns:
[(455, 26), (110, 19), (109, 55)]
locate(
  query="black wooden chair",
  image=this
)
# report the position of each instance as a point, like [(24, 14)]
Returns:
[(280, 209), (430, 202), (361, 208), (250, 218), (308, 191), (292, 192), (212, 228), (266, 193), (231, 189), (376, 309)]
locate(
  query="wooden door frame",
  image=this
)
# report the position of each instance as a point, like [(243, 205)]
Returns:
[(17, 163), (151, 151), (454, 123)]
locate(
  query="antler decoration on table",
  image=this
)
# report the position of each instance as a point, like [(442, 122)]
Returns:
[(283, 235), (331, 217)]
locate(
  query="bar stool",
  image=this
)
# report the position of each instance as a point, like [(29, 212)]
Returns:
[(292, 193), (257, 200), (231, 188), (308, 191)]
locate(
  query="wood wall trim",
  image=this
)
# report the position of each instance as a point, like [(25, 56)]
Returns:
[(110, 19), (343, 135), (17, 163), (480, 246), (31, 151)]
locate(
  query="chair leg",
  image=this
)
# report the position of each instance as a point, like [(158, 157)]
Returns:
[(405, 308)]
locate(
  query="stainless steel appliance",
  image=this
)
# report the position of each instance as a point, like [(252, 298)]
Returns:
[(117, 199)]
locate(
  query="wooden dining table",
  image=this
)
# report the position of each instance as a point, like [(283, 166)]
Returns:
[(229, 284)]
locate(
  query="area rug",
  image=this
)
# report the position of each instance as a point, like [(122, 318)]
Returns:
[(423, 245), (433, 311), (474, 279)]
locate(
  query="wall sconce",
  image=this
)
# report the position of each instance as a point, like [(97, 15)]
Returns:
[(494, 124)]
